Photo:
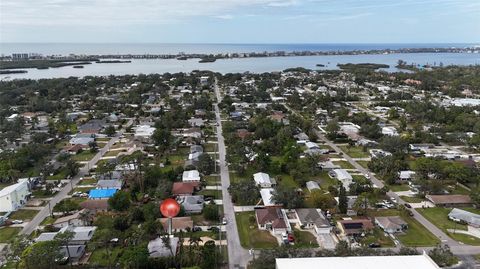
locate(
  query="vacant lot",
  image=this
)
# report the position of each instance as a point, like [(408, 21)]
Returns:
[(8, 233), (355, 152), (24, 214)]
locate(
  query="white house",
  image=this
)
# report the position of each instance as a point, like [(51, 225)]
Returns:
[(343, 176), (389, 130), (267, 196), (405, 175), (191, 176), (14, 196), (144, 131), (263, 180)]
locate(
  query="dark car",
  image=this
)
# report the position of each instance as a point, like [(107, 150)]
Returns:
[(374, 245), (196, 229), (410, 213), (214, 229), (408, 206)]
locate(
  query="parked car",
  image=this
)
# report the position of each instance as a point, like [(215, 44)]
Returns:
[(374, 245), (214, 229), (196, 229), (408, 205), (291, 238), (17, 221), (410, 213), (224, 221)]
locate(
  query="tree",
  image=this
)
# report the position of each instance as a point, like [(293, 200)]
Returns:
[(206, 165), (332, 127), (288, 197), (120, 201), (443, 256), (135, 257), (162, 138), (63, 239), (110, 130), (209, 255), (72, 168), (17, 247), (42, 255), (324, 201), (342, 200), (210, 212), (244, 192)]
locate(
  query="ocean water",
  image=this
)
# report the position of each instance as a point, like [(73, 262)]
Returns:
[(256, 65)]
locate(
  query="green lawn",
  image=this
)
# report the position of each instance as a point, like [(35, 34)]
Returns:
[(250, 235), (325, 180), (355, 152), (379, 237), (209, 147), (399, 187), (83, 156), (439, 217), (287, 181), (212, 180), (216, 194), (112, 153), (304, 239), (410, 199), (344, 164), (88, 181), (104, 258), (48, 221), (360, 179), (62, 174), (42, 194), (416, 235), (364, 164), (8, 233), (24, 214)]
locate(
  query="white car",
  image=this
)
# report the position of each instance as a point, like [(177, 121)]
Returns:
[(17, 221), (224, 221)]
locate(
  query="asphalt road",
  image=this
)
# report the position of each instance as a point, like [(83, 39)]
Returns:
[(238, 257), (45, 212)]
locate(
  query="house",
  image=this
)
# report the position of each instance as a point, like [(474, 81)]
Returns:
[(74, 149), (91, 127), (81, 234), (110, 184), (328, 165), (243, 133), (450, 200), (389, 130), (312, 145), (84, 141), (184, 188), (14, 196), (74, 252), (263, 180), (351, 227), (312, 185), (178, 224), (460, 215), (420, 147), (143, 132), (191, 176), (405, 175), (267, 196), (196, 149), (378, 153), (101, 193), (191, 203), (272, 219), (358, 262), (157, 247), (196, 122), (343, 176), (313, 218), (391, 224), (70, 220)]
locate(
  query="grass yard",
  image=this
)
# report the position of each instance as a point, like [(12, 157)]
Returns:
[(287, 181), (42, 194), (212, 180), (83, 156), (379, 237), (250, 235), (88, 181), (48, 221), (412, 199), (399, 187), (216, 194), (210, 147), (8, 233), (355, 152), (24, 214), (439, 217), (62, 174), (344, 164), (112, 153), (326, 181), (304, 239), (416, 235), (364, 164), (103, 257)]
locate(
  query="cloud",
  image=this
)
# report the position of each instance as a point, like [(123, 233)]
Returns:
[(224, 17)]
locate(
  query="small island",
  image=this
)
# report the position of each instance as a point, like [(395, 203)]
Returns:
[(207, 60), (78, 66), (6, 72), (321, 65), (112, 62), (370, 66)]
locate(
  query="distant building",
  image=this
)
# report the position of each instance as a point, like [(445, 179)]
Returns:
[(391, 224), (460, 215), (157, 247), (272, 219), (263, 180), (312, 185), (450, 200), (343, 176), (311, 218), (191, 176)]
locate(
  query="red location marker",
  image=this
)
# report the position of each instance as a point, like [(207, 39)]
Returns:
[(169, 208)]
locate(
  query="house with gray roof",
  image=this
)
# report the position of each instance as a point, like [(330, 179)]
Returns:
[(191, 203), (312, 185), (391, 224), (312, 218), (110, 184), (157, 248), (459, 215)]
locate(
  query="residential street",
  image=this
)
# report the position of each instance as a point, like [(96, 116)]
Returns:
[(238, 257), (45, 212)]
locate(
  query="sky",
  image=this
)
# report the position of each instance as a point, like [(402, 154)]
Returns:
[(240, 21)]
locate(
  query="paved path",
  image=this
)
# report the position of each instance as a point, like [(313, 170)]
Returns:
[(238, 257), (35, 222)]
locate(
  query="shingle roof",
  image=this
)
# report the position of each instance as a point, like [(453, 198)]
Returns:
[(271, 215)]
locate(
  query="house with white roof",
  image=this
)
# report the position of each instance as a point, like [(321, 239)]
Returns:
[(389, 130), (267, 196), (144, 131), (191, 176), (263, 180), (343, 176), (14, 196)]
